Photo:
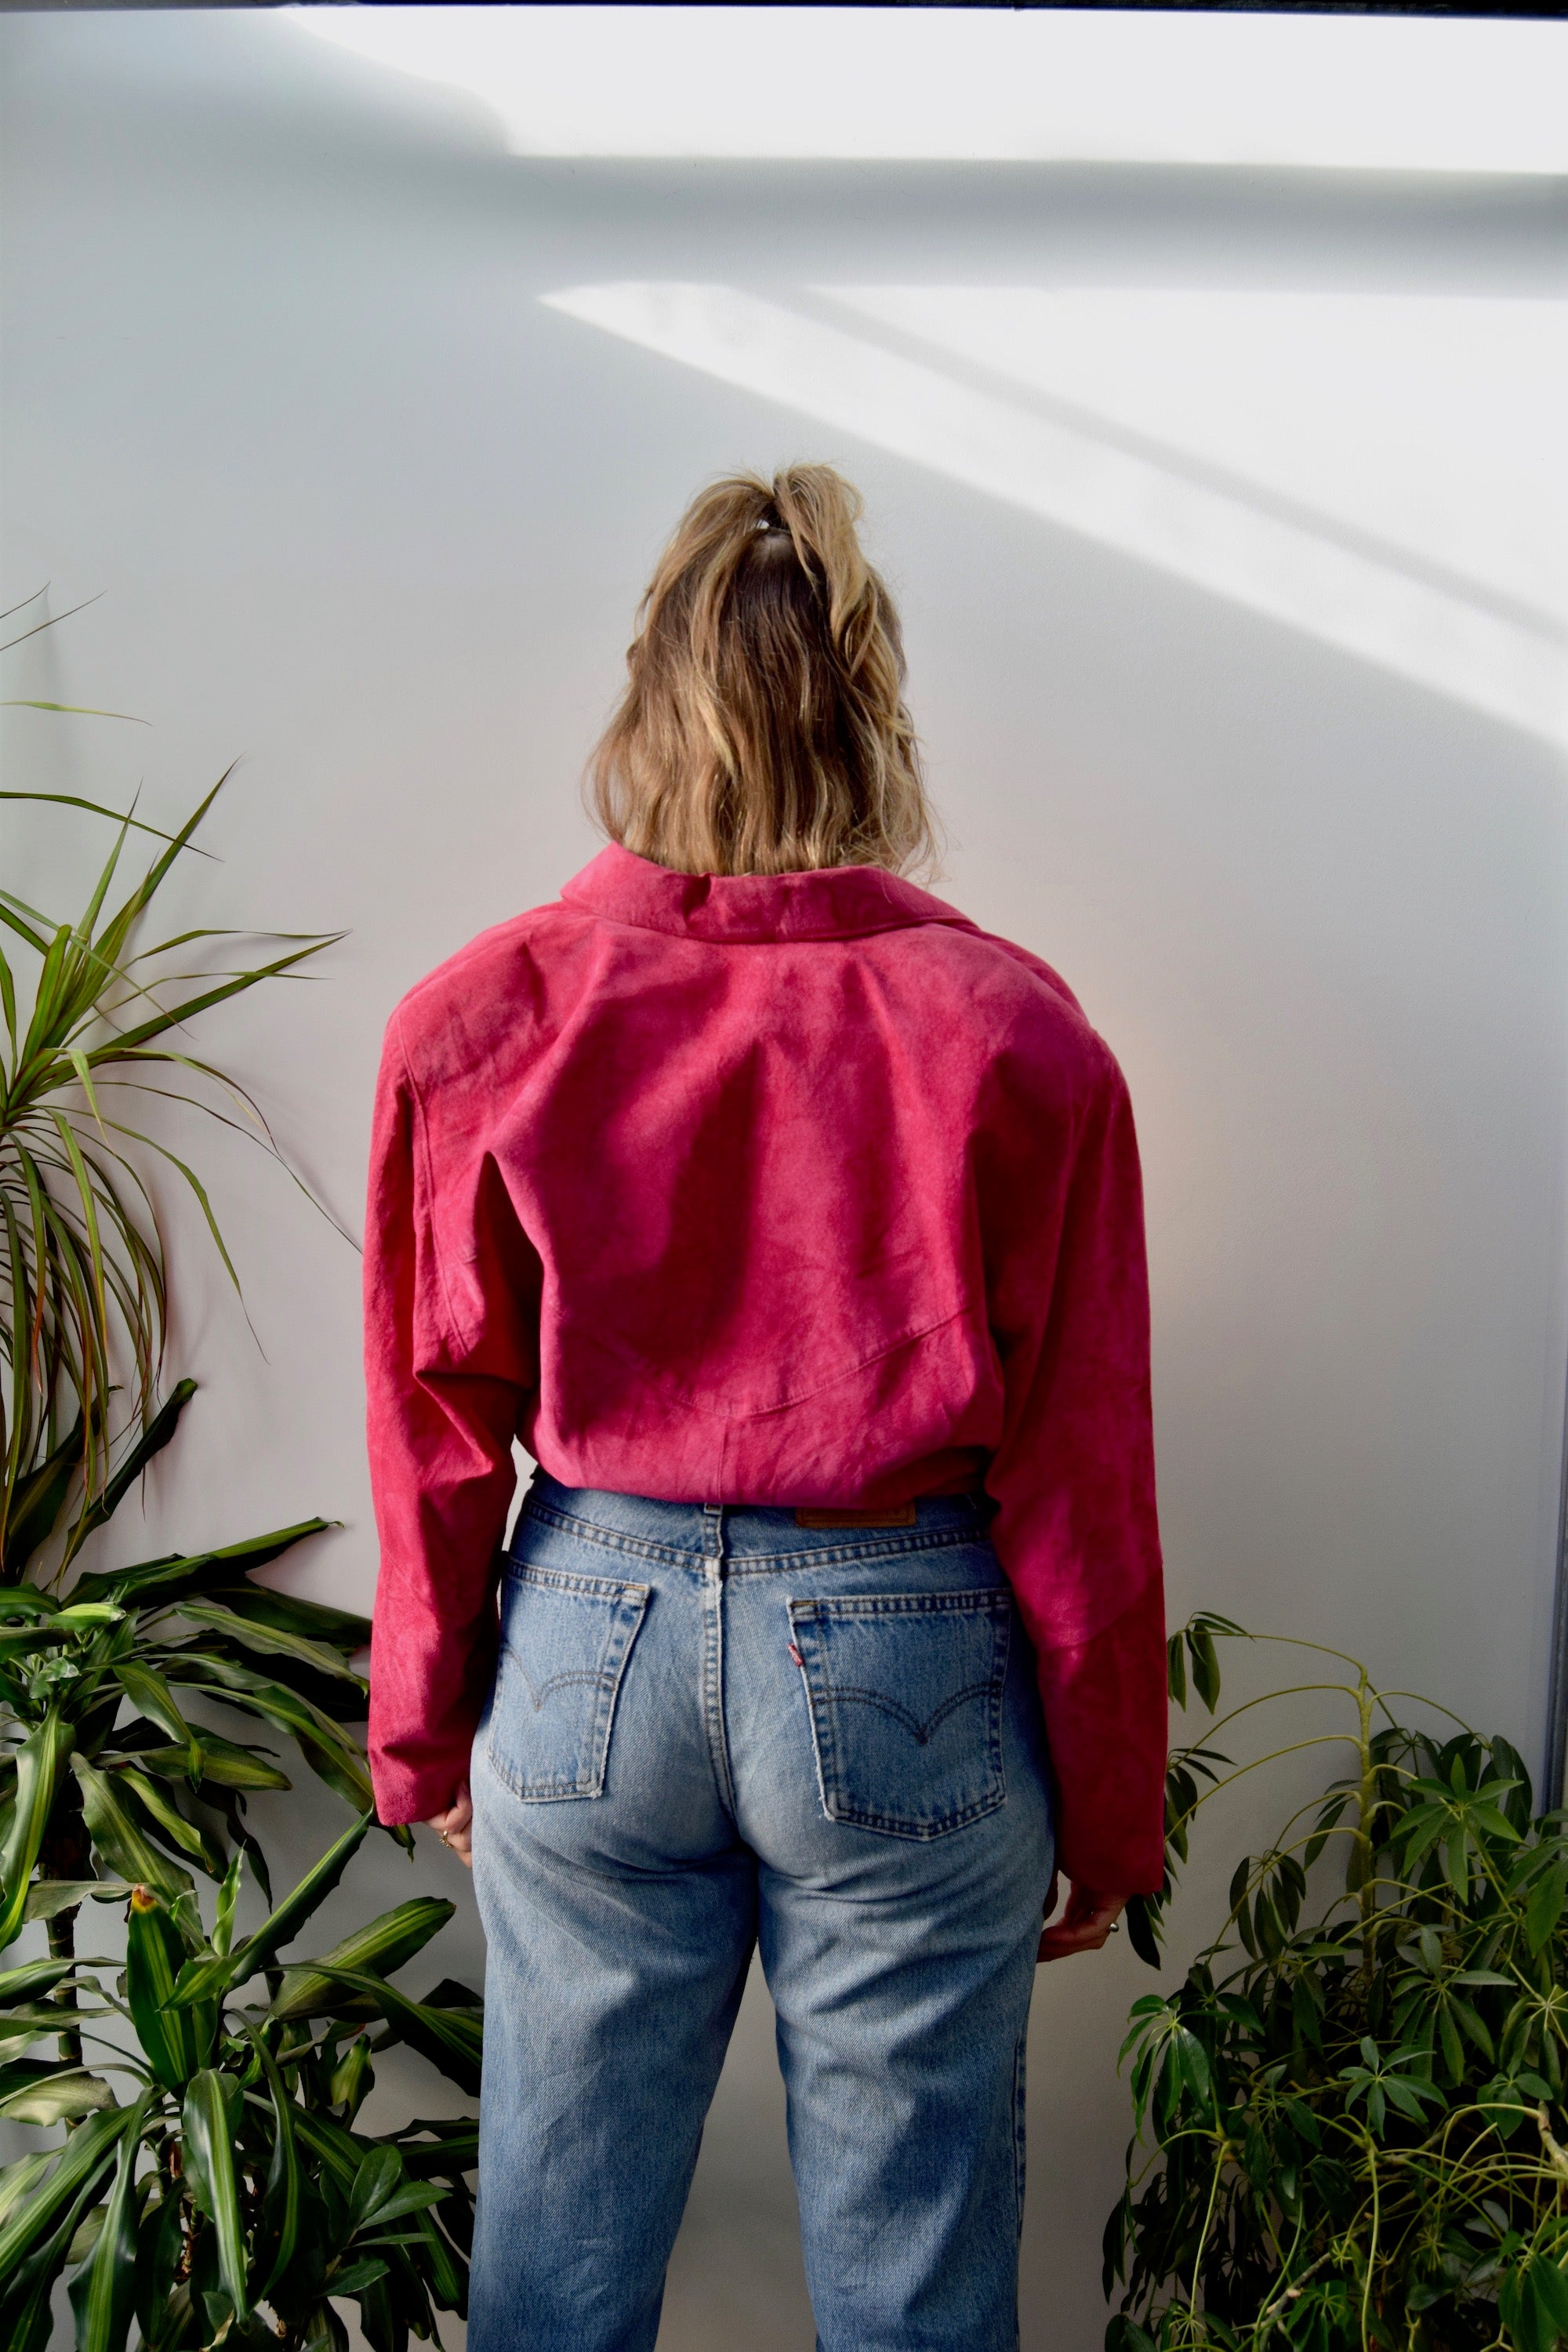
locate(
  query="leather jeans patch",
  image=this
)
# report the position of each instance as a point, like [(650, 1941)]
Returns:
[(892, 1514)]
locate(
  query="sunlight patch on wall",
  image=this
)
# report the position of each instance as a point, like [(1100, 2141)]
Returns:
[(998, 85), (1452, 611), (1431, 423)]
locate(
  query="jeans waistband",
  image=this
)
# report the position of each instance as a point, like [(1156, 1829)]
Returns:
[(752, 1531)]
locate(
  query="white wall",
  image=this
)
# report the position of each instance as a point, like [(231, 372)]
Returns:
[(1224, 503)]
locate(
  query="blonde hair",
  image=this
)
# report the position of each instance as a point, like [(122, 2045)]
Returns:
[(762, 728)]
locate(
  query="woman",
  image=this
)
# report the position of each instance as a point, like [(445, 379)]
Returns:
[(793, 1223)]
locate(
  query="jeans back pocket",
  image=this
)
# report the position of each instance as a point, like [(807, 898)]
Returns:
[(905, 1695), (564, 1641)]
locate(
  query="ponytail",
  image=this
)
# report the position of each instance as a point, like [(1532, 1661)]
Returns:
[(762, 728)]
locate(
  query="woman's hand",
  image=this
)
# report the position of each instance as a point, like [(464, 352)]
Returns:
[(453, 1827), (1084, 1926)]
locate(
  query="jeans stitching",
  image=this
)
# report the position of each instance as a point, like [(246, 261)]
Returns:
[(919, 1732), (920, 1833), (774, 1563), (988, 1600), (609, 1538), (594, 1674), (713, 1667), (1020, 2118), (766, 1564), (562, 1579), (628, 1604), (822, 1693)]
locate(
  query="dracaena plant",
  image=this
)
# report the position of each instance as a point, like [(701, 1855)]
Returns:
[(227, 2197), (107, 1765), (83, 1276), (1351, 2118), (97, 1021)]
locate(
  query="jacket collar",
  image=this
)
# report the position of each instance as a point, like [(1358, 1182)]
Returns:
[(829, 902)]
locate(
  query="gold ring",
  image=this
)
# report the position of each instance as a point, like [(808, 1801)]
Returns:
[(444, 1838)]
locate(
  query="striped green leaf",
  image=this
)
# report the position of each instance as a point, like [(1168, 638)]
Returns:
[(283, 2197), (176, 2042), (57, 2094), (117, 1835), (203, 1848), (208, 2140), (48, 1897), (151, 1694), (166, 1578), (384, 1946), (38, 1762), (341, 1629), (201, 1981), (89, 2152), (103, 2291), (452, 2039), (272, 1640)]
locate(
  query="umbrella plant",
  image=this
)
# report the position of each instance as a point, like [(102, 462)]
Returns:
[(227, 2197), (1352, 2112)]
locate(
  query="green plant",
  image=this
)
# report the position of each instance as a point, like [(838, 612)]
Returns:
[(99, 1754), (231, 2199), (109, 1763), (83, 1268), (1351, 2131)]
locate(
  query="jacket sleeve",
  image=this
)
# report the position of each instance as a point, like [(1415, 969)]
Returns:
[(444, 1392), (1073, 1480)]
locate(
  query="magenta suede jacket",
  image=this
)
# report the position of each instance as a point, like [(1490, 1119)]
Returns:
[(793, 1189)]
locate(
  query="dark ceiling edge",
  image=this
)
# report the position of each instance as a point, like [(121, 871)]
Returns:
[(1482, 12)]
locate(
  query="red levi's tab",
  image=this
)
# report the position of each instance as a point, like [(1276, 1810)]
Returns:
[(793, 1189)]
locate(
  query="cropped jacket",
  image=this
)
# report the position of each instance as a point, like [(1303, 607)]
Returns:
[(791, 1189)]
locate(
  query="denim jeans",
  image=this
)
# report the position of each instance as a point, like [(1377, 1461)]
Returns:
[(713, 1727)]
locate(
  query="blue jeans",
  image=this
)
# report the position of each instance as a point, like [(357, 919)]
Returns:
[(710, 1726)]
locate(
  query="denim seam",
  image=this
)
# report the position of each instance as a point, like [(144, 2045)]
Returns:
[(713, 1666), (609, 1538), (817, 1755), (774, 1563), (564, 1580), (768, 1563), (920, 1833), (594, 1676), (610, 1685), (986, 1599), (1020, 2079)]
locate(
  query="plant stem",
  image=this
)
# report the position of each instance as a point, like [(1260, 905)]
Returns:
[(1366, 1700), (1372, 2250), (1219, 2163)]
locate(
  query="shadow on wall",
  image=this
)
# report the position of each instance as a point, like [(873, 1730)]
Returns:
[(1188, 430)]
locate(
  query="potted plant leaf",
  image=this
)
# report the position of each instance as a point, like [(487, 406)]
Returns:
[(227, 2197), (232, 2198), (1351, 2119), (102, 1749)]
